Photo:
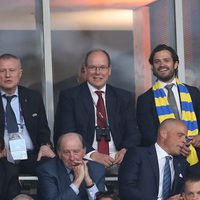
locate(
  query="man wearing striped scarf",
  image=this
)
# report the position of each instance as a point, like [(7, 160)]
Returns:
[(154, 106)]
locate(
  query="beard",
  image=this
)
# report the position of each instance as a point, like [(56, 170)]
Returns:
[(165, 78)]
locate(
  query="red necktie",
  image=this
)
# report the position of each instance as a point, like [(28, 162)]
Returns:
[(103, 146)]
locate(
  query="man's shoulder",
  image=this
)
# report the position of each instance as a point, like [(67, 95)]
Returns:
[(49, 165), (28, 91), (192, 88), (75, 90), (147, 93), (92, 163), (141, 151), (117, 90)]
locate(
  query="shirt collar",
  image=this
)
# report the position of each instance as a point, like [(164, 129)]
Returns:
[(15, 93), (163, 84), (93, 89), (161, 153)]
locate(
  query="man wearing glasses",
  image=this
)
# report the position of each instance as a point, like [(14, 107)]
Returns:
[(101, 113)]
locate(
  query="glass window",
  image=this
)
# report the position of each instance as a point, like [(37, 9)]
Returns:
[(19, 35), (191, 27)]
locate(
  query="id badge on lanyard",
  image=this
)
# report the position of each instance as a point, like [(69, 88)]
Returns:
[(17, 146)]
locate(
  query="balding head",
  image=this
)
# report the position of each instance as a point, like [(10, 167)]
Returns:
[(171, 136), (71, 148)]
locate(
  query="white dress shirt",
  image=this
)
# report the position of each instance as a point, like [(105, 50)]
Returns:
[(161, 154), (20, 121), (112, 148)]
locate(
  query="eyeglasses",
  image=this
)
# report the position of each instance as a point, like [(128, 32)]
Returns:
[(93, 68)]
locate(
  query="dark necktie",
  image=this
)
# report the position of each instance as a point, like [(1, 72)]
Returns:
[(71, 175), (172, 100), (166, 179), (11, 121), (103, 146)]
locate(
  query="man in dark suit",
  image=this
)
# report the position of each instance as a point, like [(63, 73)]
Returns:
[(141, 175), (9, 184), (164, 61), (78, 111), (69, 176), (29, 113)]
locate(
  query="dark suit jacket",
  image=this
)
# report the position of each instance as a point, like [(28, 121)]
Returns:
[(75, 112), (9, 183), (54, 182), (34, 115), (139, 174), (147, 117)]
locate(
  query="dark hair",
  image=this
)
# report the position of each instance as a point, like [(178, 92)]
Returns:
[(96, 50), (78, 135), (192, 178), (108, 194), (162, 47)]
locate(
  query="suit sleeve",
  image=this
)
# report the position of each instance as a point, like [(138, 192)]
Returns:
[(48, 187), (129, 176), (64, 118), (132, 135), (147, 120), (43, 128)]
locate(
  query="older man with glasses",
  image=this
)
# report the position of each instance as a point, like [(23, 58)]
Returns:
[(101, 113)]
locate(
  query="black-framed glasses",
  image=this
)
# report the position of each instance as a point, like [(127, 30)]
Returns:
[(93, 68)]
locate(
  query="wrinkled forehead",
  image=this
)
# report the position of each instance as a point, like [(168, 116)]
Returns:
[(10, 62)]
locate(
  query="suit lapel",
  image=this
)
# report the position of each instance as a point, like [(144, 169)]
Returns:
[(2, 118), (111, 105), (63, 176), (24, 107), (86, 102), (153, 161), (177, 175)]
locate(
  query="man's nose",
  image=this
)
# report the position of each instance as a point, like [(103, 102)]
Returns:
[(97, 70), (71, 157), (7, 73)]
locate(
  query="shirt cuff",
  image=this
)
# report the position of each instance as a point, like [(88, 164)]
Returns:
[(92, 192), (74, 188), (88, 155)]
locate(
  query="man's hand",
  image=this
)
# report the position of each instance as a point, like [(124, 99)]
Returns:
[(45, 151), (119, 156), (87, 178), (196, 141), (79, 173), (106, 160), (185, 151), (3, 153)]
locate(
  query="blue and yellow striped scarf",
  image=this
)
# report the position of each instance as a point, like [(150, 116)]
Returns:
[(164, 111)]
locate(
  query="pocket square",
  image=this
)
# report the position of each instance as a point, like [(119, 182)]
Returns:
[(34, 114), (180, 175)]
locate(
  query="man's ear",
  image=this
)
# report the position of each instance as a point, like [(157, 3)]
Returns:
[(163, 133), (176, 65)]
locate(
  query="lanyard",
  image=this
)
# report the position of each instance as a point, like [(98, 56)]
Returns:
[(21, 124)]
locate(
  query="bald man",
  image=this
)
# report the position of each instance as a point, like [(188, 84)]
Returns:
[(142, 172), (68, 176)]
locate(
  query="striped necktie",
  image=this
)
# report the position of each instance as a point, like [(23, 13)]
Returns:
[(166, 179)]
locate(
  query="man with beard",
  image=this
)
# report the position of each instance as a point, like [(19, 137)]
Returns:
[(169, 98)]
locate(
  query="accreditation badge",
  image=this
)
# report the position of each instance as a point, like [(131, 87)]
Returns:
[(17, 146)]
